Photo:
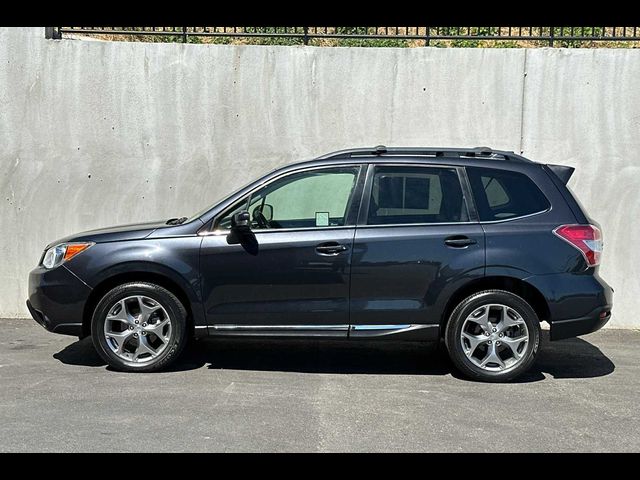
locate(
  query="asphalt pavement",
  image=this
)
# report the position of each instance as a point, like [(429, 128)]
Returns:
[(56, 395)]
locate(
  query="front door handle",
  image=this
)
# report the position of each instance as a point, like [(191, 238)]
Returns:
[(459, 241), (330, 248)]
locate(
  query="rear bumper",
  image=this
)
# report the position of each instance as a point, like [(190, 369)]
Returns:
[(574, 327), (57, 299), (578, 303)]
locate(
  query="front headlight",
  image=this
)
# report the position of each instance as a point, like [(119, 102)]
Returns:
[(58, 254)]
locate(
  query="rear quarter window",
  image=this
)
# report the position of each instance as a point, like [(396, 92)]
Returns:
[(501, 194)]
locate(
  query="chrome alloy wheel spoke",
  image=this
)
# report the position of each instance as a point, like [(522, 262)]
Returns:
[(474, 341), (119, 313), (144, 348), (492, 357), (147, 308), (481, 317), (514, 344), (120, 338), (509, 318), (158, 330)]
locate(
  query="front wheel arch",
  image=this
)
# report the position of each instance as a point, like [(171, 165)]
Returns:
[(137, 276)]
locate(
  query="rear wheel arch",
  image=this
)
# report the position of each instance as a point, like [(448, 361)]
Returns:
[(113, 281), (526, 291)]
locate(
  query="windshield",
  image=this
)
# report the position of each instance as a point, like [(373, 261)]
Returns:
[(213, 204)]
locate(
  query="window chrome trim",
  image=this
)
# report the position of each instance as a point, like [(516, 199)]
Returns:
[(482, 222), (276, 230), (415, 224)]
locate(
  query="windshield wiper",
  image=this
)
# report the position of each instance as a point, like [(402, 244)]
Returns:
[(176, 221)]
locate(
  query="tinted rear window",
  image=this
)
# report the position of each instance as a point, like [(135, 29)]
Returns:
[(501, 194), (409, 195)]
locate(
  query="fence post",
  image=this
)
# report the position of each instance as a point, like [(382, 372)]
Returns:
[(184, 34), (427, 38), (305, 39), (52, 32), (551, 36)]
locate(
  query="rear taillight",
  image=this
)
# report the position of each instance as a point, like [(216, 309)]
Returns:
[(586, 238)]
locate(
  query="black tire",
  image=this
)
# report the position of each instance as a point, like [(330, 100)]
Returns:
[(177, 338), (470, 304)]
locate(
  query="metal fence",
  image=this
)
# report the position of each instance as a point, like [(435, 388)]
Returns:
[(411, 36)]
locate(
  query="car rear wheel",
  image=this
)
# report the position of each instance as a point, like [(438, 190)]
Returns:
[(139, 327), (493, 336)]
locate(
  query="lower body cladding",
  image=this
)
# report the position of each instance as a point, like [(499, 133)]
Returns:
[(573, 327), (398, 332)]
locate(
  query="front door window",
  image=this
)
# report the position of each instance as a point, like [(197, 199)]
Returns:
[(310, 199)]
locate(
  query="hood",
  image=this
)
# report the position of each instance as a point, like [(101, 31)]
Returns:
[(133, 231)]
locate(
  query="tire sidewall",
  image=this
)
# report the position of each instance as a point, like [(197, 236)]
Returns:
[(464, 309), (171, 304)]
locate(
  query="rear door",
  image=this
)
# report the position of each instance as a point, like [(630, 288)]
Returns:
[(415, 244)]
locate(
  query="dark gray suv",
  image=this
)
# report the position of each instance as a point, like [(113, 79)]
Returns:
[(475, 246)]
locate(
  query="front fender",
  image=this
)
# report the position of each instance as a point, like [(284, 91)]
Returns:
[(176, 259)]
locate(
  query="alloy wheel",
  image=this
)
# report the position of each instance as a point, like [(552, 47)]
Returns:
[(137, 329), (494, 337)]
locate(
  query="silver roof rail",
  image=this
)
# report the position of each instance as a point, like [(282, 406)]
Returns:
[(476, 152)]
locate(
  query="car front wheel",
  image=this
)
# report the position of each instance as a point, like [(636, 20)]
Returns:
[(139, 327), (493, 336)]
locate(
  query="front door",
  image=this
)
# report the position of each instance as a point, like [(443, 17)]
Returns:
[(292, 274), (414, 246)]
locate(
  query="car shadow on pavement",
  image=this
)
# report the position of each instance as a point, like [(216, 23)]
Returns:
[(80, 352), (572, 358)]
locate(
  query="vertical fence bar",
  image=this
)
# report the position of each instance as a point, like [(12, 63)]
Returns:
[(53, 33), (305, 38), (427, 37), (551, 36), (184, 34)]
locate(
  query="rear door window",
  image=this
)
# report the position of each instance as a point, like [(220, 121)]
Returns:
[(409, 195), (501, 194)]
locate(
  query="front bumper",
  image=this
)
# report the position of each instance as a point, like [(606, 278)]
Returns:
[(57, 299)]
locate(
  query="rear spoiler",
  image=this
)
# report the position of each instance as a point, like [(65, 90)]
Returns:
[(562, 172)]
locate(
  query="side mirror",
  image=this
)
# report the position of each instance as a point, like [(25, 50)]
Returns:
[(241, 222), (266, 210)]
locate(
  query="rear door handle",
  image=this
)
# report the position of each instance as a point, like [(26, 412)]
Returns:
[(459, 241), (330, 248)]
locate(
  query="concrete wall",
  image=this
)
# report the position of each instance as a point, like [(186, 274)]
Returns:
[(97, 133)]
